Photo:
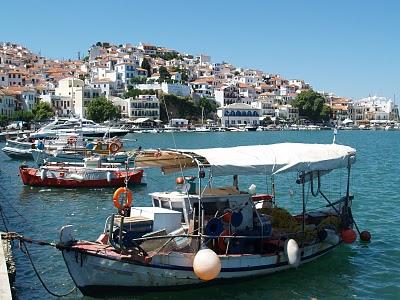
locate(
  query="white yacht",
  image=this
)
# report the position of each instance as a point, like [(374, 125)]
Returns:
[(88, 128)]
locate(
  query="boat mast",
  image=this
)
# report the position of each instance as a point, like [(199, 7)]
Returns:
[(303, 224)]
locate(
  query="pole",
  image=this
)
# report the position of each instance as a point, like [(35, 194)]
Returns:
[(303, 225)]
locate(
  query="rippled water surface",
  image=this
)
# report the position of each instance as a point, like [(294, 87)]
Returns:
[(358, 271)]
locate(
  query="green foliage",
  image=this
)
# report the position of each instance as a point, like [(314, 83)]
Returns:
[(168, 55), (267, 121), (146, 65), (21, 115), (184, 107), (100, 110), (42, 111), (164, 74), (3, 120), (184, 73), (178, 107), (138, 80), (135, 92), (312, 106), (209, 106)]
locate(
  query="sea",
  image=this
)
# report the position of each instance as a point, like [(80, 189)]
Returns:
[(356, 271)]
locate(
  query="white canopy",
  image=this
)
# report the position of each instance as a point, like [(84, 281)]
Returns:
[(276, 158)]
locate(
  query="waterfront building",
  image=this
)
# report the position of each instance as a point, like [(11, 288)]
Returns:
[(144, 106), (7, 103), (239, 114)]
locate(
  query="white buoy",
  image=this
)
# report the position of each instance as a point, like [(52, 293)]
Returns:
[(292, 252), (43, 174), (108, 176), (331, 237), (252, 189), (206, 264)]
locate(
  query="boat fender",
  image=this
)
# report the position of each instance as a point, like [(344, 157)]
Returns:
[(331, 237), (76, 176), (40, 146), (206, 264), (109, 176), (114, 147), (349, 236), (227, 216), (214, 227), (43, 174), (292, 252), (365, 236), (128, 198)]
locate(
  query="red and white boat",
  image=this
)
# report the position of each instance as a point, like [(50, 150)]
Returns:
[(80, 175), (202, 233)]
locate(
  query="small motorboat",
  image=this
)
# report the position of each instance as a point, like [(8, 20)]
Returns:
[(91, 174), (108, 150), (201, 233)]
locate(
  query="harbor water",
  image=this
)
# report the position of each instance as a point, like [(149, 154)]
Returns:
[(357, 271)]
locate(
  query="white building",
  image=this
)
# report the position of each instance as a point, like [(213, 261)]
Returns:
[(175, 89), (239, 114), (287, 112), (144, 106), (7, 103), (178, 122), (79, 94)]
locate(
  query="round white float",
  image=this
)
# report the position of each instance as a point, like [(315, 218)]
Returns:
[(292, 252), (206, 264)]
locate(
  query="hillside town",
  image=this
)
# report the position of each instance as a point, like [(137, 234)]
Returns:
[(242, 96)]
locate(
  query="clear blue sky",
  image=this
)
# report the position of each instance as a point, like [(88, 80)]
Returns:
[(348, 47)]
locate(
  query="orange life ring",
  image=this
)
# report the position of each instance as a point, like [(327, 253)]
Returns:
[(129, 198), (114, 147), (221, 240), (71, 140)]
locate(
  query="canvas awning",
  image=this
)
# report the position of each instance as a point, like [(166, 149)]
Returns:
[(252, 160), (141, 120)]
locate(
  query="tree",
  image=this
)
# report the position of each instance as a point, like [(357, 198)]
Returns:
[(100, 110), (146, 65), (209, 106), (42, 111), (312, 106), (164, 74), (3, 120), (25, 116), (138, 80), (136, 92)]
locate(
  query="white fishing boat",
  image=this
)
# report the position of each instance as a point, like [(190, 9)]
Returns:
[(22, 148), (87, 128), (109, 150), (203, 233)]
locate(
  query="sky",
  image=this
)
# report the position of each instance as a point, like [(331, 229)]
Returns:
[(350, 48)]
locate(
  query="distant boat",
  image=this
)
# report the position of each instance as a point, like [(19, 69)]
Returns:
[(80, 176), (87, 128)]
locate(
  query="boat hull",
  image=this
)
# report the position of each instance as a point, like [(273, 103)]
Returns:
[(62, 178), (91, 271), (15, 153)]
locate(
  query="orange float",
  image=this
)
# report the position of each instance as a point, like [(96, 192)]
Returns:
[(349, 236), (129, 198)]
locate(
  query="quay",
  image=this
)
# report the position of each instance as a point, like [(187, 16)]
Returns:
[(7, 269)]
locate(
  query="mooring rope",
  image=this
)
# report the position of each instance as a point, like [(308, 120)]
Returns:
[(26, 251), (22, 241)]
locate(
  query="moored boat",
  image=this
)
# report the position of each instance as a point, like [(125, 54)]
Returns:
[(80, 176), (201, 233)]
